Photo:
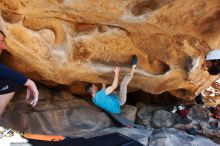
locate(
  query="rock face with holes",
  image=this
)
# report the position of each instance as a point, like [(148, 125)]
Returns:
[(71, 42)]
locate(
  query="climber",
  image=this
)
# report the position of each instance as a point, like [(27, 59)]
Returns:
[(10, 79), (106, 98), (213, 62)]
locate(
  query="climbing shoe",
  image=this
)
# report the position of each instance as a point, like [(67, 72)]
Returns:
[(134, 60)]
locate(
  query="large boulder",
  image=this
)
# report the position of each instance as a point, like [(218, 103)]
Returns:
[(64, 121), (57, 112), (64, 42), (69, 121), (162, 118), (129, 112), (199, 113), (198, 121), (201, 116), (145, 114)]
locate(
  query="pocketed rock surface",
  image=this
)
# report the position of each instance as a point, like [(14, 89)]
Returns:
[(73, 42)]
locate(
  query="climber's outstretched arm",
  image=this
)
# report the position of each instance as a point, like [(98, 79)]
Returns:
[(114, 85)]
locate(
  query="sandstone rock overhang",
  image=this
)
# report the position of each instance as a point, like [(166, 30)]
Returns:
[(61, 41)]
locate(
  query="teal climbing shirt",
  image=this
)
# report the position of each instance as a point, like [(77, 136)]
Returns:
[(110, 103)]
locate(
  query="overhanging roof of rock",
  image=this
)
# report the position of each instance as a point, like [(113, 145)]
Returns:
[(66, 41)]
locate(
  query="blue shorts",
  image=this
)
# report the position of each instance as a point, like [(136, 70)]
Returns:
[(7, 86)]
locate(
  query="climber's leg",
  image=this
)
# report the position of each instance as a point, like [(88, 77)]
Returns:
[(4, 100), (123, 89), (126, 80)]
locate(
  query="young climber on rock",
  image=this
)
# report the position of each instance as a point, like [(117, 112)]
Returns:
[(106, 98), (10, 79)]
